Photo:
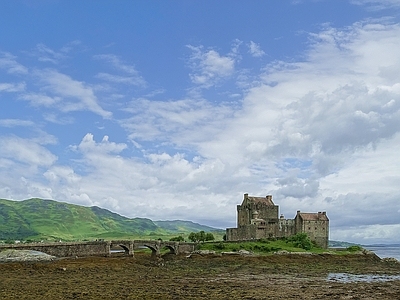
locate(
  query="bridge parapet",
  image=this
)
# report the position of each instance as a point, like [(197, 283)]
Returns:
[(71, 249), (102, 248)]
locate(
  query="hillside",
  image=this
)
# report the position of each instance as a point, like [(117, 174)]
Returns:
[(38, 219), (184, 226)]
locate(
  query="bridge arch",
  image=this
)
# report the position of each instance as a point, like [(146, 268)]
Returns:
[(171, 249), (154, 249), (126, 246)]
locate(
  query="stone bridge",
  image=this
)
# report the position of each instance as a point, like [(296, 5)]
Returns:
[(102, 248)]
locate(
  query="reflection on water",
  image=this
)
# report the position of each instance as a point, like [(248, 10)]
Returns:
[(348, 278)]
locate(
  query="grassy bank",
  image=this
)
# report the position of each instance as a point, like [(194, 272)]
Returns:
[(265, 246)]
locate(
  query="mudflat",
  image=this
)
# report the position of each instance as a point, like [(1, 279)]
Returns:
[(202, 277)]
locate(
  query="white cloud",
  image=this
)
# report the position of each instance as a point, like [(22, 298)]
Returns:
[(372, 234), (75, 95), (184, 122), (134, 77), (255, 49), (319, 134), (41, 99), (209, 66), (377, 4), (137, 81), (45, 54), (8, 62), (12, 87), (15, 122), (117, 63), (26, 152), (89, 145)]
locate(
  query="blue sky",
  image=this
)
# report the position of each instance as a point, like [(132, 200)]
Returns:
[(175, 109)]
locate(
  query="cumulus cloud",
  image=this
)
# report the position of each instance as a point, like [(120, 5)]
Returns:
[(183, 122), (89, 145), (26, 152), (339, 102), (209, 66), (320, 134)]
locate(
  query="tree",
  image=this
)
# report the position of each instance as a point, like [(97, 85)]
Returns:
[(301, 240), (201, 236), (192, 237), (209, 236), (177, 239)]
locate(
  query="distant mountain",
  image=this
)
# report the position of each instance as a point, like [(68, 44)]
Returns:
[(38, 219), (382, 245), (340, 244), (184, 226)]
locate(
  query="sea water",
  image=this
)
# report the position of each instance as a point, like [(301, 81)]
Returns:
[(348, 278), (382, 252), (385, 251)]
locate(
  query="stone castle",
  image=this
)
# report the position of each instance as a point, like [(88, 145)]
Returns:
[(258, 218)]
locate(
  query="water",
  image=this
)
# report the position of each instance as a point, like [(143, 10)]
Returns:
[(348, 278), (382, 252), (385, 251)]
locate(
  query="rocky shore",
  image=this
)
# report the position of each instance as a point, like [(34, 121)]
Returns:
[(24, 255), (283, 276)]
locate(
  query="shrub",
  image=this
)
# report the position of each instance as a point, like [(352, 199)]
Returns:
[(264, 241), (177, 239), (219, 246), (354, 248), (200, 236), (301, 240)]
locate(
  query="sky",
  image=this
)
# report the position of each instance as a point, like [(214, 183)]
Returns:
[(174, 109)]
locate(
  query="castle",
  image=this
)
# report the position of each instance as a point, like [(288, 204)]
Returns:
[(258, 218)]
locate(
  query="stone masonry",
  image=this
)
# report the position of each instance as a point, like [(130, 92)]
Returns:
[(258, 218)]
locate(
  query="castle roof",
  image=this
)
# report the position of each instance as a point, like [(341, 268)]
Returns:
[(266, 200), (320, 216)]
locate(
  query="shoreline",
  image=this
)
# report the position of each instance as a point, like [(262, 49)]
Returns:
[(280, 276)]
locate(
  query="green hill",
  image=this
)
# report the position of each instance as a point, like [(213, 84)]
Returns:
[(184, 226), (38, 219)]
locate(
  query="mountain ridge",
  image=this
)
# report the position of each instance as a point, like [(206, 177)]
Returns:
[(44, 219)]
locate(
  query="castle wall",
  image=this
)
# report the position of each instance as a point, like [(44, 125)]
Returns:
[(258, 218), (286, 228), (317, 230)]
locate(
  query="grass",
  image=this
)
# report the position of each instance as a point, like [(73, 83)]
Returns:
[(48, 220), (265, 247)]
